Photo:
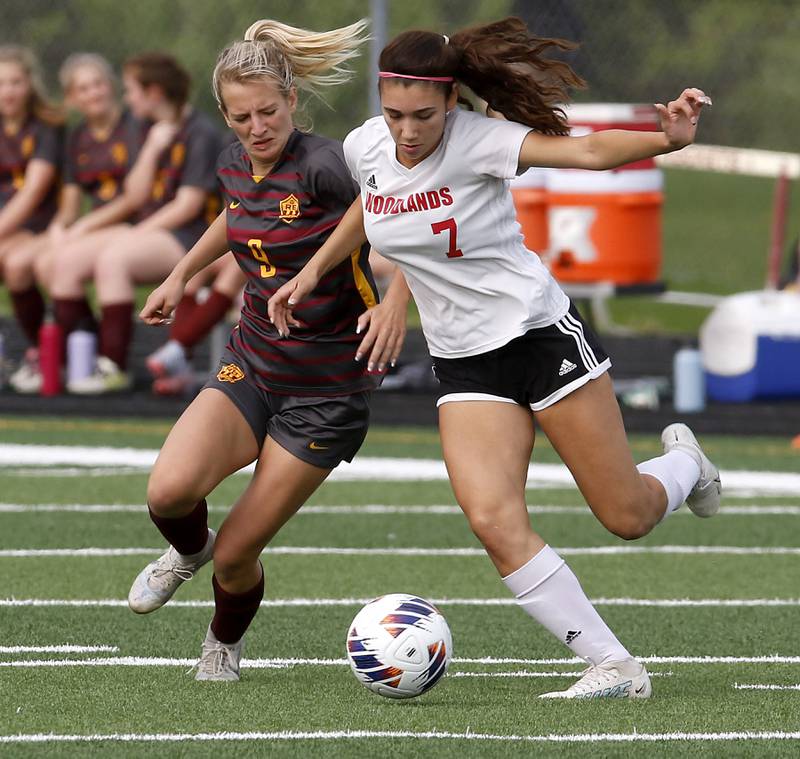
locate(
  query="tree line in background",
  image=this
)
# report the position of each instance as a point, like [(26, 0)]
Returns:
[(745, 53)]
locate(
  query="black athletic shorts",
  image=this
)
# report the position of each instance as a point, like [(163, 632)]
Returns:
[(320, 430), (536, 369)]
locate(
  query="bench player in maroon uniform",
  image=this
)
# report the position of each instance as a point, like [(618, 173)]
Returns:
[(172, 188), (300, 406), (99, 152), (30, 150)]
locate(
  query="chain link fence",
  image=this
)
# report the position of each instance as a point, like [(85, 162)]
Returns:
[(745, 53)]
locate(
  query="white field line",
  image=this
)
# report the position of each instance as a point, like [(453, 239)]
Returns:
[(283, 663), (112, 603), (764, 686), (362, 468), (63, 649), (339, 735), (669, 550), (526, 673), (377, 509)]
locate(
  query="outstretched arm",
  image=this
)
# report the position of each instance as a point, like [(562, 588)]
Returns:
[(614, 147), (347, 237)]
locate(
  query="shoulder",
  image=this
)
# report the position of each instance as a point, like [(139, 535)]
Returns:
[(200, 124), (315, 152), (230, 155), (372, 132)]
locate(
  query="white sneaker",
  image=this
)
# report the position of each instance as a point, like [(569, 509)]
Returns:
[(616, 679), (159, 580), (107, 377), (170, 359), (705, 496), (27, 379), (219, 661)]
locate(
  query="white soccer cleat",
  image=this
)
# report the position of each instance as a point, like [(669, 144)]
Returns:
[(219, 661), (169, 360), (27, 379), (705, 496), (616, 679), (159, 580), (107, 377)]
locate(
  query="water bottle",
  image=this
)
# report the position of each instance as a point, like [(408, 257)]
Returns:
[(81, 354), (689, 382), (51, 343)]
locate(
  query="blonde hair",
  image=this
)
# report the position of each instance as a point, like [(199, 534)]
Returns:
[(80, 60), (290, 56), (38, 103)]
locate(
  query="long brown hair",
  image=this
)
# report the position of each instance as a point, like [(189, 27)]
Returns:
[(39, 105), (501, 62)]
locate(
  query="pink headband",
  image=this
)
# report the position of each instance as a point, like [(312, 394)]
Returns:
[(391, 75)]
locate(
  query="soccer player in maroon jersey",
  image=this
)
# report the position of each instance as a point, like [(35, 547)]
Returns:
[(296, 407), (30, 150), (99, 152), (172, 189)]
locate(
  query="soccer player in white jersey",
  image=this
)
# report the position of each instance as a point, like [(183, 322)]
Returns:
[(507, 345)]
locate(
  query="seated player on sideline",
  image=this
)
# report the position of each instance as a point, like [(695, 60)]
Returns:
[(30, 157), (173, 187), (99, 151), (296, 407), (508, 346)]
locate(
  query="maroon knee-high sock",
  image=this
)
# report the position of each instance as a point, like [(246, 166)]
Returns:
[(189, 332), (116, 331), (74, 313), (184, 312), (29, 309), (235, 611), (188, 534)]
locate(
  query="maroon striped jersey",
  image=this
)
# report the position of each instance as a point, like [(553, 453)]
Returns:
[(190, 161), (98, 164), (35, 139), (275, 224)]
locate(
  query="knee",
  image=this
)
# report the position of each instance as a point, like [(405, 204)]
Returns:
[(491, 527), (170, 493), (16, 272), (233, 563), (624, 518)]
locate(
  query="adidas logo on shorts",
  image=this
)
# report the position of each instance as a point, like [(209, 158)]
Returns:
[(566, 367), (372, 183)]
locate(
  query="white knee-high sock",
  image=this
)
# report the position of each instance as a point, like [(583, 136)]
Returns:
[(677, 472), (547, 589)]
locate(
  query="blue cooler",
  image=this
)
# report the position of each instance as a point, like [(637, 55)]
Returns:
[(751, 347)]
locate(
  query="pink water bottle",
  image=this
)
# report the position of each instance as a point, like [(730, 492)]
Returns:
[(51, 347)]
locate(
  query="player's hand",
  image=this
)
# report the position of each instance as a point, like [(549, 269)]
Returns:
[(161, 303), (160, 135), (679, 117), (285, 298), (385, 326)]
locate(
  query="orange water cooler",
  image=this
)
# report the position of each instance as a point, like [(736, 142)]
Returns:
[(605, 226), (529, 191)]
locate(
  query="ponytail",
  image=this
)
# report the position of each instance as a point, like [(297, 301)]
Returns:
[(290, 56), (502, 63)]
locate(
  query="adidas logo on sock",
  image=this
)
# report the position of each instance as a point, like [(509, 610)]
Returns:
[(572, 634), (372, 183), (566, 367)]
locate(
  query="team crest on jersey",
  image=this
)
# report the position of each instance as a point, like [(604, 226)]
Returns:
[(230, 373), (27, 146), (119, 152), (108, 187), (290, 209), (178, 154)]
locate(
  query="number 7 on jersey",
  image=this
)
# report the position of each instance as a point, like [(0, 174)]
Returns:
[(449, 225)]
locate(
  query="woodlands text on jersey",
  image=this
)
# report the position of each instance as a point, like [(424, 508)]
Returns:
[(275, 224), (418, 201)]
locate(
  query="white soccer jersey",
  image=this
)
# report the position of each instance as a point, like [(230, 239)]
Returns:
[(450, 224)]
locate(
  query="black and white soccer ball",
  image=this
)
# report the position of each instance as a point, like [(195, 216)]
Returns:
[(399, 645)]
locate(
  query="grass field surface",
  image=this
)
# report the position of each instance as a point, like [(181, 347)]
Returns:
[(711, 605)]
